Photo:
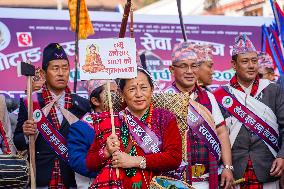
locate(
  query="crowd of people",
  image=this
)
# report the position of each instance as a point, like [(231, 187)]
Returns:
[(233, 138)]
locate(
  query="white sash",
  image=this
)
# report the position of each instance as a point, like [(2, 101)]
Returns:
[(257, 107)]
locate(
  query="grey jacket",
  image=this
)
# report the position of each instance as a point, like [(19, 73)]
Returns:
[(247, 144)]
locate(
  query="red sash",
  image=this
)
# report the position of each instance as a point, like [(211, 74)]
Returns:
[(142, 134), (51, 135), (247, 117)]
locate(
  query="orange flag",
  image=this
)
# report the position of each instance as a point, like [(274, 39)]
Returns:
[(85, 24)]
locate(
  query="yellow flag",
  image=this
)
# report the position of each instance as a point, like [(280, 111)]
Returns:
[(85, 24)]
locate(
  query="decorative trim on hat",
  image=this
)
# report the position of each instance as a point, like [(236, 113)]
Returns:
[(242, 45), (265, 60), (184, 51)]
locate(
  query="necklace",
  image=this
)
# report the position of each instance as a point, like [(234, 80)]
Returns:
[(125, 137)]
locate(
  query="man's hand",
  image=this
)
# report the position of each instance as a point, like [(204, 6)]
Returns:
[(277, 167), (29, 128), (227, 179)]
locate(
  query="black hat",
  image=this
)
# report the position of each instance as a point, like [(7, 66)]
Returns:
[(53, 51)]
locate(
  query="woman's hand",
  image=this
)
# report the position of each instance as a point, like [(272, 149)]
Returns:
[(123, 160), (112, 145)]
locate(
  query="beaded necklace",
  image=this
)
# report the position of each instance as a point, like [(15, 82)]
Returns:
[(147, 117)]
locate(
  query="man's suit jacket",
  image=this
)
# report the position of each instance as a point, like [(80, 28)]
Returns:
[(249, 145), (45, 156)]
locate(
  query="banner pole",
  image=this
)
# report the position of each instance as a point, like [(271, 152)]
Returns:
[(77, 45)]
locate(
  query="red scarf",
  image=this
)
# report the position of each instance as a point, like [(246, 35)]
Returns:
[(47, 97), (56, 181), (234, 83)]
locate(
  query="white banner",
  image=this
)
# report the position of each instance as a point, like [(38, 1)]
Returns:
[(107, 58)]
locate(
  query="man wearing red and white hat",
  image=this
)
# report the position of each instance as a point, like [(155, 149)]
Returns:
[(205, 61), (254, 112), (200, 155)]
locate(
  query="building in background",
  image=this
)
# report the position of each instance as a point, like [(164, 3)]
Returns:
[(212, 7), (95, 5), (240, 7)]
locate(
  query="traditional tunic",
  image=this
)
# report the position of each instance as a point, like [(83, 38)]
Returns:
[(52, 171), (252, 158), (199, 153), (163, 124)]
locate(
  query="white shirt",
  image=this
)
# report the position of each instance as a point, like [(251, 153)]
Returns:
[(61, 103), (247, 89), (216, 112)]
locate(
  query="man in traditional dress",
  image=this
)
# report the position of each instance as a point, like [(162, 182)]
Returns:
[(205, 61), (55, 108), (82, 133), (202, 168), (266, 68), (255, 117)]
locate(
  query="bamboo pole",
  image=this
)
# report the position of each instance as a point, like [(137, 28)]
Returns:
[(131, 21), (110, 107), (111, 117)]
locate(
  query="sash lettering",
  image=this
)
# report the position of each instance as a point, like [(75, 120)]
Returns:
[(145, 138), (247, 117), (204, 132), (51, 135)]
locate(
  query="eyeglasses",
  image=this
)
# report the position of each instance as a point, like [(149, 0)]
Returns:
[(185, 66)]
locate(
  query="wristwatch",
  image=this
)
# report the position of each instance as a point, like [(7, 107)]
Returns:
[(230, 167), (142, 164)]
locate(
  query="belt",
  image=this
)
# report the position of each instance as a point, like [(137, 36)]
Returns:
[(198, 170)]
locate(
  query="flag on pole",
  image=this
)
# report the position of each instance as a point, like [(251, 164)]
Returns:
[(279, 18), (276, 42), (85, 24), (269, 47)]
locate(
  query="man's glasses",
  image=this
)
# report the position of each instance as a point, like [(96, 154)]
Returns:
[(185, 66)]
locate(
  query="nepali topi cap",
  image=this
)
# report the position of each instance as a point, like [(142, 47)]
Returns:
[(242, 45), (183, 51), (53, 51)]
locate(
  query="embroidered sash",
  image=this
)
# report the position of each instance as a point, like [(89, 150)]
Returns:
[(51, 135), (248, 118), (204, 131), (142, 134)]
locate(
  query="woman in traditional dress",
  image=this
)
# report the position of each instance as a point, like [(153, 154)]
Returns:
[(147, 140)]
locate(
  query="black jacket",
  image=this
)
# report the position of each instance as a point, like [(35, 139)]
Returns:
[(45, 156)]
